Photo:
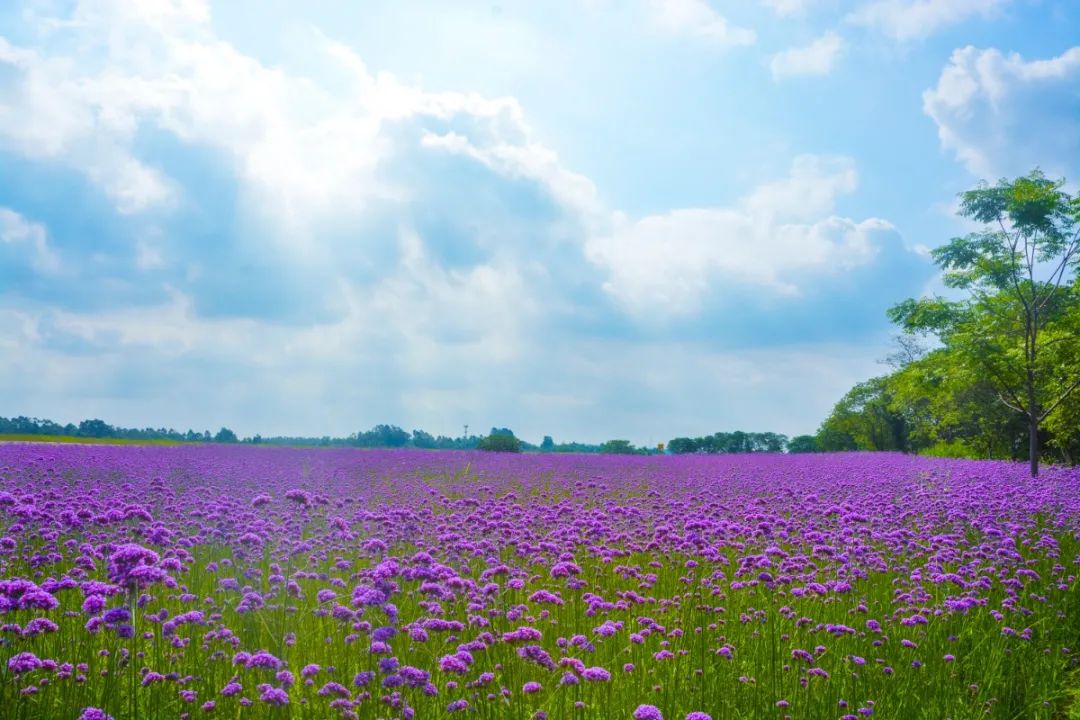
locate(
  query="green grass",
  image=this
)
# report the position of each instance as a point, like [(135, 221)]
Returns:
[(84, 440)]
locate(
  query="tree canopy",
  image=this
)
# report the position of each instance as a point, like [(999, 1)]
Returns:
[(1000, 376)]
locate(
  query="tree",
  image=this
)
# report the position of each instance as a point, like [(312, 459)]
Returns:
[(95, 429), (499, 443), (803, 444), (421, 439), (618, 447), (769, 442), (1018, 312), (951, 409), (737, 441), (682, 446), (547, 444), (909, 348), (864, 420), (225, 435), (383, 436)]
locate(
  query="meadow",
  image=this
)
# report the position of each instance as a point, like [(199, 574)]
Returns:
[(229, 582)]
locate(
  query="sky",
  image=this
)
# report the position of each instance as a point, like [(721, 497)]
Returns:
[(590, 219)]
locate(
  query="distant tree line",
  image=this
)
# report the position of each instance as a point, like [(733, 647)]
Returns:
[(380, 436), (992, 371), (98, 429), (724, 443)]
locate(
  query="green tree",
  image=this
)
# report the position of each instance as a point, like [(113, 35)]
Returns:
[(1018, 311), (618, 447), (949, 409), (682, 446), (769, 442), (225, 435), (803, 444), (383, 436), (422, 439), (499, 443), (547, 444), (95, 429), (864, 419)]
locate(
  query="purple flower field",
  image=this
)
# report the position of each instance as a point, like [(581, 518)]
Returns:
[(228, 582)]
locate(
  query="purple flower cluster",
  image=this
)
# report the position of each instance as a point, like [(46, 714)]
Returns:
[(339, 583)]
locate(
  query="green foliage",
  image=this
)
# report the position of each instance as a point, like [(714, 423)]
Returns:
[(723, 443), (619, 447), (74, 439), (803, 444), (424, 440), (95, 429), (500, 443), (225, 435), (953, 449), (864, 419), (1073, 695), (547, 444), (389, 436), (1000, 381), (1017, 325)]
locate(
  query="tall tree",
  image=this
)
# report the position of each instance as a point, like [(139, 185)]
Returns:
[(225, 435), (1017, 273), (864, 419)]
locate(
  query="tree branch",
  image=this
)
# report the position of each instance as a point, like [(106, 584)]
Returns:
[(1012, 394), (1059, 271), (1009, 405), (1014, 242), (1061, 399)]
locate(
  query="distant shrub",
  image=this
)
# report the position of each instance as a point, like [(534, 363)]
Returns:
[(618, 447), (499, 443), (953, 449), (803, 444)]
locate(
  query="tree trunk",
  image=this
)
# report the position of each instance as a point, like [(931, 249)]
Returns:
[(1033, 447)]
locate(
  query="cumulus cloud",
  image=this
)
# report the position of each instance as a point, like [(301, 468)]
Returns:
[(49, 111), (29, 237), (778, 236), (304, 148), (817, 58), (697, 18), (784, 8), (1000, 114), (906, 20), (316, 250), (130, 363)]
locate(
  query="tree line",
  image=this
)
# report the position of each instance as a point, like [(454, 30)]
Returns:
[(99, 429), (734, 442), (380, 436), (990, 369)]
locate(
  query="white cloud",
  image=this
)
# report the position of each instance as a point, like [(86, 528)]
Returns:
[(50, 111), (785, 8), (419, 338), (1000, 114), (304, 148), (913, 19), (210, 372), (778, 235), (531, 161), (817, 58), (697, 18), (17, 230)]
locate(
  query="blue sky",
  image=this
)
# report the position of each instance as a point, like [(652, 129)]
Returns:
[(584, 218)]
